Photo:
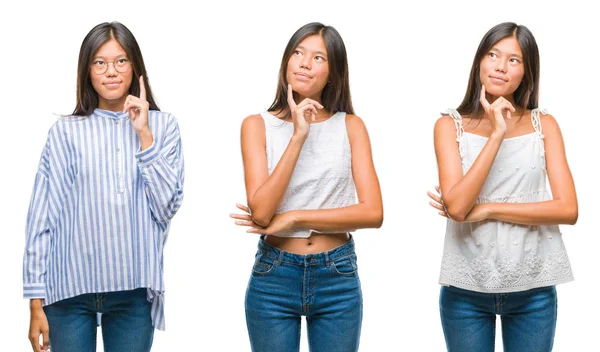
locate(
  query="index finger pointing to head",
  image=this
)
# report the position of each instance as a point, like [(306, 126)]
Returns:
[(142, 88)]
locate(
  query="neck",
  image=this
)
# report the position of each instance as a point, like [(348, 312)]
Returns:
[(115, 105)]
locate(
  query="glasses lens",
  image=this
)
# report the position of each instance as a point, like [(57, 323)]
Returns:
[(98, 67), (122, 65)]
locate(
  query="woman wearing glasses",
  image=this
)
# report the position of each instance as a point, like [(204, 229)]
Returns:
[(305, 158), (109, 181)]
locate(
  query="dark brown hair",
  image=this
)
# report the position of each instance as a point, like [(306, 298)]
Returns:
[(526, 95), (87, 97), (335, 96)]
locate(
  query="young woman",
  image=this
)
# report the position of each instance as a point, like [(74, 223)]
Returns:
[(304, 161), (109, 181), (503, 252)]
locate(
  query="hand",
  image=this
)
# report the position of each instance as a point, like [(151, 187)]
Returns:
[(479, 212), (138, 109), (38, 324), (495, 111), (280, 222), (438, 202), (307, 109)]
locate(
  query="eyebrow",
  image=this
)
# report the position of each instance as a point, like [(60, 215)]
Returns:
[(512, 54), (103, 57), (316, 52)]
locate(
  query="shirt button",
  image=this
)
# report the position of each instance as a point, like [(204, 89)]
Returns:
[(118, 149), (140, 160), (116, 122), (493, 245)]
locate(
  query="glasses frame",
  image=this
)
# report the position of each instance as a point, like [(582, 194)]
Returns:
[(120, 69)]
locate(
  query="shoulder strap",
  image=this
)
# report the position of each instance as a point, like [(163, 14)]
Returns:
[(457, 122), (535, 120)]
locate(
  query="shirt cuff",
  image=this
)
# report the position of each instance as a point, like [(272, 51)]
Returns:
[(37, 290), (148, 155)]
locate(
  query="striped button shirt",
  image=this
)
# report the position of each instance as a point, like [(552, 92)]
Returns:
[(100, 210)]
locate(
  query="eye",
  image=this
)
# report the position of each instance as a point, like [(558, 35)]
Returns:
[(514, 61), (297, 52), (99, 63), (492, 55), (319, 58), (122, 61)]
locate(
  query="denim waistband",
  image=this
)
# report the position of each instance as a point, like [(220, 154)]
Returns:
[(306, 259)]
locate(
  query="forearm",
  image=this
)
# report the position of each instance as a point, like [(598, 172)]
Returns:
[(461, 197), (265, 201), (551, 212), (348, 218)]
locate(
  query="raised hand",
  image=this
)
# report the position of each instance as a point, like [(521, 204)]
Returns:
[(302, 113), (495, 112), (138, 109)]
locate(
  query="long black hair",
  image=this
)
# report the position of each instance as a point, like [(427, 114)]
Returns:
[(87, 97), (526, 95), (335, 96)]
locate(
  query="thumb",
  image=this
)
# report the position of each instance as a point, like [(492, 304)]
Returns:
[(45, 339)]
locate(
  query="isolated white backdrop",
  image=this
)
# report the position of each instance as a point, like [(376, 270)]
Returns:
[(213, 64)]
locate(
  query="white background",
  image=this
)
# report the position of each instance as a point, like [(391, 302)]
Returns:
[(212, 65)]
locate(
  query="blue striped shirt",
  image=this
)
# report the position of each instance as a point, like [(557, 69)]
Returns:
[(100, 210)]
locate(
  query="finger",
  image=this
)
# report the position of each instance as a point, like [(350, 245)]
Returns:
[(245, 223), (45, 339), (241, 216), (437, 188), (482, 98), (443, 213), (256, 230), (35, 343), (437, 206), (290, 99), (243, 207), (434, 197), (142, 89), (313, 102)]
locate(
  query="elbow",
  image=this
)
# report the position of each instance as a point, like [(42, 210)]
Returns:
[(259, 216), (572, 215), (377, 218), (457, 215)]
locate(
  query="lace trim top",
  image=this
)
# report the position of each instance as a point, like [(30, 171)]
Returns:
[(497, 256), (322, 178)]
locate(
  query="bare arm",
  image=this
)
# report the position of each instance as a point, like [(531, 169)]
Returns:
[(562, 209), (263, 191), (367, 213), (460, 192)]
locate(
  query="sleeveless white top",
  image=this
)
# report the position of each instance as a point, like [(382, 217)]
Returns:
[(322, 178), (496, 256)]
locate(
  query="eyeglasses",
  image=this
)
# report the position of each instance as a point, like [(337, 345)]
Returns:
[(100, 66)]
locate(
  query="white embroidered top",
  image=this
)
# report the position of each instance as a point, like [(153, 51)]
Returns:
[(322, 178), (496, 256)]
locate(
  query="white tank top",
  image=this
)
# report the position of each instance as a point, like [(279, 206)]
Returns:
[(496, 256), (322, 178)]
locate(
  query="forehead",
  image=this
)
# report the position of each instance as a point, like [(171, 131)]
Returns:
[(110, 49), (508, 45), (314, 42)]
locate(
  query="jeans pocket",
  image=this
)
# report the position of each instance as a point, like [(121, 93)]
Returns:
[(345, 266), (263, 265)]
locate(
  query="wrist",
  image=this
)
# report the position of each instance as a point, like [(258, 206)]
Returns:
[(146, 138), (35, 303), (295, 218), (488, 210), (299, 137)]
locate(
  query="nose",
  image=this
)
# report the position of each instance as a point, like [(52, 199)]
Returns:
[(501, 66), (110, 69), (305, 62)]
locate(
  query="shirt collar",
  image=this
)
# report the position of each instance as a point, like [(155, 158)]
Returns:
[(119, 115)]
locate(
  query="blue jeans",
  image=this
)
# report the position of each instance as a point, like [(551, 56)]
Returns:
[(469, 319), (324, 287), (126, 322)]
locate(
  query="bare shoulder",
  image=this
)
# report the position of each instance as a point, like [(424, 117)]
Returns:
[(444, 124), (354, 122), (549, 122), (253, 122)]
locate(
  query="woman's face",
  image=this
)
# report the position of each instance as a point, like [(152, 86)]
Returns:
[(501, 69), (308, 67), (111, 74)]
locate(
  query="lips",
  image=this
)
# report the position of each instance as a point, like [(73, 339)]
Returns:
[(498, 79), (302, 75), (112, 84)]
